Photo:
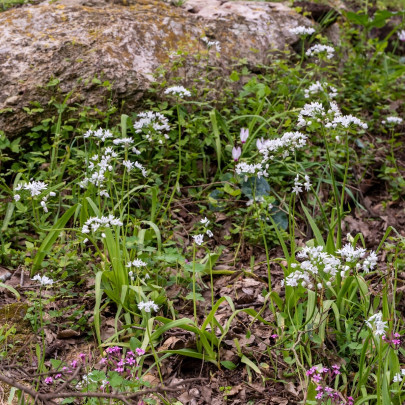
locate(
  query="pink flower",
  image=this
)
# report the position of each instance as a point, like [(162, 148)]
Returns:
[(58, 376), (131, 361), (236, 152), (74, 363), (82, 356), (103, 360), (48, 380), (140, 352), (119, 369), (244, 133), (274, 336)]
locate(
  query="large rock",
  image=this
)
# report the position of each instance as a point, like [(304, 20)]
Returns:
[(75, 41)]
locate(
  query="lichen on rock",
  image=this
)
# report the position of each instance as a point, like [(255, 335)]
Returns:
[(78, 40)]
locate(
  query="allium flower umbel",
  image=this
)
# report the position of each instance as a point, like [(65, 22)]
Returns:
[(376, 323), (302, 31), (210, 44), (148, 306), (44, 280), (95, 223), (321, 49), (198, 239), (179, 91), (393, 120), (153, 125)]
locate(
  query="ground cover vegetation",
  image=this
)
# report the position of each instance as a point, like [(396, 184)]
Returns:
[(232, 243)]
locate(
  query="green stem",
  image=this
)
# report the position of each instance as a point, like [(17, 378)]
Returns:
[(335, 192), (194, 283), (177, 185)]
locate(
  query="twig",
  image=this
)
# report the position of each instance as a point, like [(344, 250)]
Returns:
[(124, 397)]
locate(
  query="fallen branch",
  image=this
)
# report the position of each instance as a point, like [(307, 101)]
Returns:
[(124, 397)]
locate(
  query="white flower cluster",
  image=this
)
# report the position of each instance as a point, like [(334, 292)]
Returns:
[(246, 168), (125, 142), (101, 134), (398, 377), (199, 239), (320, 267), (298, 185), (312, 110), (94, 223), (148, 306), (302, 30), (153, 125), (318, 49), (332, 119), (138, 263), (44, 280), (287, 143), (319, 87), (130, 165), (210, 44), (376, 323), (99, 166), (178, 91), (309, 270), (353, 255), (345, 121), (392, 120), (35, 188)]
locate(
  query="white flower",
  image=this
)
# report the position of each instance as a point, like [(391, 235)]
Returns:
[(302, 30), (393, 120), (376, 323), (236, 152), (319, 87), (198, 239), (136, 263), (178, 91), (205, 221), (43, 205), (318, 48), (44, 280), (350, 253), (95, 223), (148, 306), (401, 35), (286, 144), (210, 44), (209, 233), (34, 187), (123, 141), (245, 168), (244, 133), (101, 134), (17, 197), (136, 151), (103, 193), (152, 124), (128, 164)]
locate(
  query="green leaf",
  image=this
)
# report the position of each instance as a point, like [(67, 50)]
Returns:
[(228, 364), (234, 76), (250, 363), (50, 239)]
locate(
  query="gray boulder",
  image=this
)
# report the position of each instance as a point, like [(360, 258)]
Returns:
[(80, 43)]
